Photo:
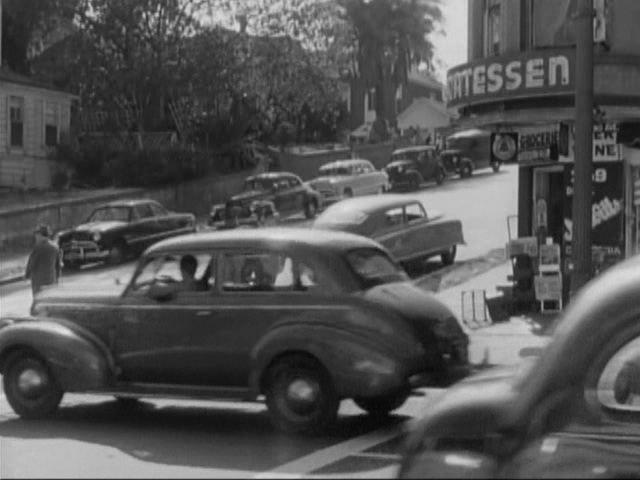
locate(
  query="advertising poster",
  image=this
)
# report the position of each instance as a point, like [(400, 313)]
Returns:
[(607, 211)]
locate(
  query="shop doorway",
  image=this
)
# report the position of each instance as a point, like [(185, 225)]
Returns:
[(548, 203)]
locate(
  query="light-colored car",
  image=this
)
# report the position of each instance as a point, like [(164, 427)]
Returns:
[(349, 178), (399, 223)]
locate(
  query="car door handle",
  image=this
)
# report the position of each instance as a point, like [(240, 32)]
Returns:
[(204, 313)]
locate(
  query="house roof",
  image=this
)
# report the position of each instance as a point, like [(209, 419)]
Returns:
[(424, 78), (19, 79), (424, 113)]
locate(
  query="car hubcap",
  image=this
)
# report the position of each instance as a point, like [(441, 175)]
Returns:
[(302, 395), (31, 382)]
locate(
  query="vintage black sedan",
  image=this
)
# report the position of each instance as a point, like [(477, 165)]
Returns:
[(574, 412), (266, 197), (117, 230), (412, 166), (304, 318), (398, 222)]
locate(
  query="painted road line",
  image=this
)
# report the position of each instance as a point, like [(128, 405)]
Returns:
[(327, 456)]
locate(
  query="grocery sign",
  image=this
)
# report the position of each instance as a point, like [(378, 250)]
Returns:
[(544, 72)]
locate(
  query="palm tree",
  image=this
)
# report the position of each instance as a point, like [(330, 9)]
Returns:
[(390, 38)]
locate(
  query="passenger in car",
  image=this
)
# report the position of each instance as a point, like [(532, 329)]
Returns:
[(188, 268)]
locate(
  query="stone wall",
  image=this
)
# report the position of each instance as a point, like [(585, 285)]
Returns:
[(306, 165), (16, 225)]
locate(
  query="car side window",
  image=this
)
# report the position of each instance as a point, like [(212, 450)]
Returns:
[(394, 217), (294, 182), (143, 211), (185, 272), (282, 184), (415, 212), (253, 272), (158, 210), (367, 168), (618, 387)]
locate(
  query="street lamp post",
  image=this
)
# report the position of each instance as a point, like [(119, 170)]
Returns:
[(583, 155)]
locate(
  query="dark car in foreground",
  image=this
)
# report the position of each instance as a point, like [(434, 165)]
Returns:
[(412, 166), (305, 318), (117, 230), (266, 197), (574, 412), (400, 223)]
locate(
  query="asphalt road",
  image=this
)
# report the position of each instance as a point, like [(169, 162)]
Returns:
[(93, 437)]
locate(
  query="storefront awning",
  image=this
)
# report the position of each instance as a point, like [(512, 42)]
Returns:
[(542, 116)]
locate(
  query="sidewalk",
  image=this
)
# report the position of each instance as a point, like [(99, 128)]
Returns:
[(502, 343)]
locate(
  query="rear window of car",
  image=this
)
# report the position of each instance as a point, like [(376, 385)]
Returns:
[(342, 217), (374, 267)]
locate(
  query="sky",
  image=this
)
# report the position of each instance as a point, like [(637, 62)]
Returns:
[(451, 48)]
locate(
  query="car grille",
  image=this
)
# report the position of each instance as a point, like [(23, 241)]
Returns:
[(77, 245)]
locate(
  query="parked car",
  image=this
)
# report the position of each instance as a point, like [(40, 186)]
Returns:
[(412, 166), (398, 222), (117, 230), (572, 412), (265, 196), (349, 178), (305, 318), (469, 151)]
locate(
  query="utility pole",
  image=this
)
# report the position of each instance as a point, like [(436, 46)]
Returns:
[(583, 154)]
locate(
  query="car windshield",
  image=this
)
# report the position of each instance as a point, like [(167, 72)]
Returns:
[(333, 171), (261, 184), (374, 267), (110, 214)]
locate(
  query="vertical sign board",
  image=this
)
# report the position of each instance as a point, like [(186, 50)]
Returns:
[(607, 209)]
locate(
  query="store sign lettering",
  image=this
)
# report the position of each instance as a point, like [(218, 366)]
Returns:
[(601, 212), (511, 76)]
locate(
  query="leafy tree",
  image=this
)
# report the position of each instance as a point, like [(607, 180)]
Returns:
[(22, 20), (390, 37), (131, 57)]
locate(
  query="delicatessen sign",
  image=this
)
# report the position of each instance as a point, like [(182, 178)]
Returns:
[(514, 76)]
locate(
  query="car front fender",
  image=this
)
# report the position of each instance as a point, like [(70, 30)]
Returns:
[(356, 367), (79, 361)]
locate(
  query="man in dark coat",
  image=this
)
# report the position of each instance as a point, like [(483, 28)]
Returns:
[(45, 262)]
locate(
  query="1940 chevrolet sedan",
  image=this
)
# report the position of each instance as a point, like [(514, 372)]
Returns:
[(304, 318)]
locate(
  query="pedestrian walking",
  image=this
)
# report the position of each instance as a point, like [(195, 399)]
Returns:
[(45, 263)]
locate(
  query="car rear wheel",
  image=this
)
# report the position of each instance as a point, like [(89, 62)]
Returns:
[(414, 182), (30, 387), (348, 193), (311, 209), (441, 175), (449, 256), (300, 395), (382, 406), (117, 253), (466, 170), (496, 166)]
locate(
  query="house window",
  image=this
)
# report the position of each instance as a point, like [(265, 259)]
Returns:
[(16, 121), (492, 28), (51, 125)]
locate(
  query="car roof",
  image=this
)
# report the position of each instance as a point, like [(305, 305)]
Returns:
[(418, 148), (282, 238), (370, 203), (345, 163), (271, 175), (127, 203)]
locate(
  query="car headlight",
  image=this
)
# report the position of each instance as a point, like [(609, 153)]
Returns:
[(96, 236)]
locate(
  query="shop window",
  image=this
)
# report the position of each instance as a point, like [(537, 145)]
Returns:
[(51, 128), (16, 121), (493, 25)]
